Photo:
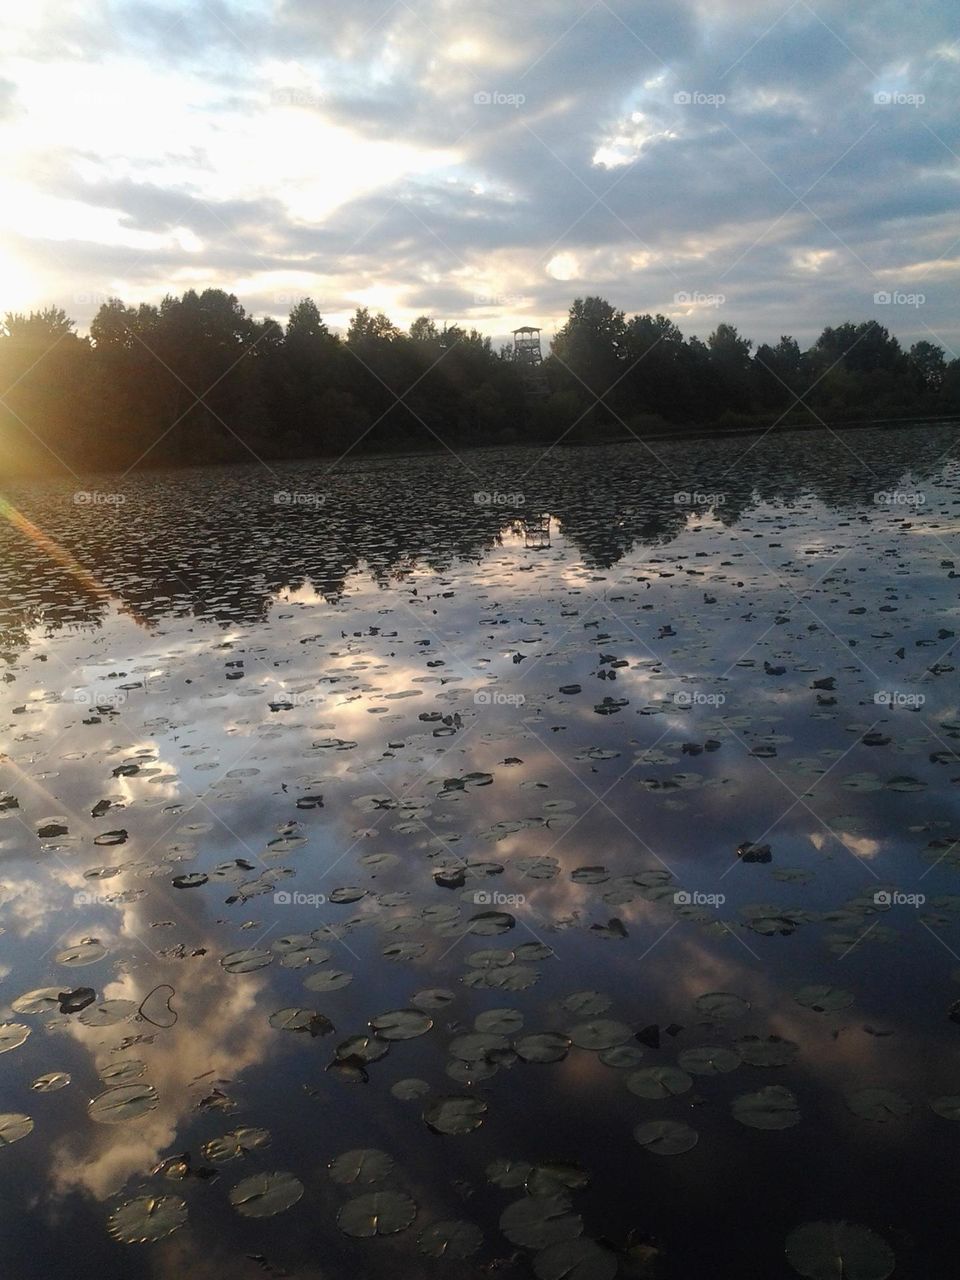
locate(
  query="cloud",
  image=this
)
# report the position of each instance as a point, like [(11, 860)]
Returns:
[(793, 162)]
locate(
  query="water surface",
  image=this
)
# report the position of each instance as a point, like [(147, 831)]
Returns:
[(405, 748)]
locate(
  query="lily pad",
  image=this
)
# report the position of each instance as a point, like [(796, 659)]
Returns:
[(12, 1035), (709, 1060), (455, 1115), (536, 1222), (123, 1103), (379, 1213), (266, 1194), (365, 1164), (147, 1218), (880, 1105), (14, 1126), (401, 1024), (450, 1239), (830, 1250), (666, 1137), (543, 1046), (773, 1107), (575, 1260), (659, 1082)]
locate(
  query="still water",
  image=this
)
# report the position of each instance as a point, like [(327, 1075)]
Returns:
[(513, 865)]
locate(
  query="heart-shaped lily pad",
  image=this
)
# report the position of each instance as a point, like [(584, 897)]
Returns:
[(666, 1137), (265, 1194), (379, 1213), (831, 1250)]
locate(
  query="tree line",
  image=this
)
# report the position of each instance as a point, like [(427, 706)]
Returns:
[(197, 380)]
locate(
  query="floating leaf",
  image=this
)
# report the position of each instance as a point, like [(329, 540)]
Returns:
[(543, 1046), (379, 1213), (879, 1105), (13, 1127), (239, 1142), (722, 1006), (51, 1082), (659, 1082), (365, 1164), (455, 1115), (575, 1260), (401, 1024), (265, 1194), (12, 1035), (666, 1137), (773, 1107), (450, 1239), (824, 999), (831, 1250), (123, 1103), (146, 1219), (539, 1221), (709, 1060)]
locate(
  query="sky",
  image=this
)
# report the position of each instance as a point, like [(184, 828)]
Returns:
[(778, 166)]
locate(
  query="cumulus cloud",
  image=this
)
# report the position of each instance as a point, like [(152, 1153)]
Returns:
[(487, 164)]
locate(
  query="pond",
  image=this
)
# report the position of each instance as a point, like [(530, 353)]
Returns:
[(521, 863)]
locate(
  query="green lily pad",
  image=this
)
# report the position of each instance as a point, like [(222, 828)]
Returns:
[(831, 1250), (450, 1239), (575, 1260), (709, 1060), (51, 1082), (666, 1137), (722, 1006), (123, 1103), (600, 1033), (13, 1127), (365, 1164), (659, 1082), (771, 1051), (247, 960), (265, 1194), (239, 1142), (147, 1218), (880, 1105), (772, 1107), (536, 1222), (455, 1115), (328, 980), (401, 1024), (824, 999), (379, 1213), (12, 1035), (543, 1046)]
